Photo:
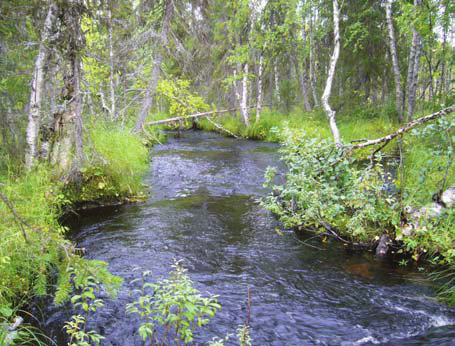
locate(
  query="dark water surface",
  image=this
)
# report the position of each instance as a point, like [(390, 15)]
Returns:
[(202, 209)]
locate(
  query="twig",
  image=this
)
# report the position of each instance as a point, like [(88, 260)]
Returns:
[(305, 242), (373, 154), (221, 128), (16, 215)]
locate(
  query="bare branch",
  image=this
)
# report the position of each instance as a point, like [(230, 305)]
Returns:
[(410, 126)]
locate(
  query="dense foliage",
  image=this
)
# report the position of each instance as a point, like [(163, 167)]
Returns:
[(329, 191)]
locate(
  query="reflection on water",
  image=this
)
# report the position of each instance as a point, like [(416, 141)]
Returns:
[(203, 209)]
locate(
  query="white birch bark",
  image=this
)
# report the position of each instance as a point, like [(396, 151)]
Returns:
[(394, 55), (236, 86), (151, 88), (259, 89), (244, 101), (34, 115), (111, 62), (328, 86), (277, 82)]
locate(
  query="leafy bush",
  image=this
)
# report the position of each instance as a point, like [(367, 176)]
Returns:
[(175, 304), (327, 190), (86, 278)]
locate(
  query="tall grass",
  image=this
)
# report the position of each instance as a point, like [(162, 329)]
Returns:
[(116, 162), (315, 124)]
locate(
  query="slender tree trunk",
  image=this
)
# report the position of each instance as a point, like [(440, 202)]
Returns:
[(151, 88), (302, 74), (302, 81), (244, 101), (396, 68), (413, 68), (259, 89), (271, 90), (78, 124), (111, 61), (277, 82), (443, 60), (328, 86), (34, 115), (312, 76)]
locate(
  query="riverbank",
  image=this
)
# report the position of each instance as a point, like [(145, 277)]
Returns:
[(35, 256), (203, 208), (348, 200)]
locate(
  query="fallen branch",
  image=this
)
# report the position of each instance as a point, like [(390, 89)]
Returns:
[(193, 116), (221, 128), (410, 126)]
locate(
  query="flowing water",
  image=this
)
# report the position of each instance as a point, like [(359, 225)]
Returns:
[(203, 209)]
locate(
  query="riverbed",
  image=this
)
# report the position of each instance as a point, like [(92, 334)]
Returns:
[(203, 208)]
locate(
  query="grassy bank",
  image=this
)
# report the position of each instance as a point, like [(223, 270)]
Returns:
[(352, 126), (35, 258)]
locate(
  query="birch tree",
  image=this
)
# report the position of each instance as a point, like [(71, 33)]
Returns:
[(37, 86), (259, 88), (111, 59), (328, 86)]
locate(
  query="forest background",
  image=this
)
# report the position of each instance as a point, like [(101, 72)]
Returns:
[(81, 82)]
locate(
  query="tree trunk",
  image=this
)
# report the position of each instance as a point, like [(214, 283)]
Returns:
[(68, 122), (244, 100), (111, 60), (78, 124), (277, 82), (302, 81), (328, 86), (312, 76), (413, 69), (259, 89), (151, 88), (34, 115)]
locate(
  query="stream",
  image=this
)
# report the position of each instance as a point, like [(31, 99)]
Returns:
[(202, 208)]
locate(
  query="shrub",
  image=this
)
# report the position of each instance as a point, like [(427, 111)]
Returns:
[(329, 191), (175, 304)]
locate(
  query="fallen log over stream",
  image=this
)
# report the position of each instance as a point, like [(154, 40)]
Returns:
[(194, 116)]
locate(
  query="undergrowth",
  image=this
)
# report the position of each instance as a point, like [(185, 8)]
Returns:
[(116, 161), (35, 258)]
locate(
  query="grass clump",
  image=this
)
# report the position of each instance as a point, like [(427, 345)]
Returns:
[(117, 159)]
